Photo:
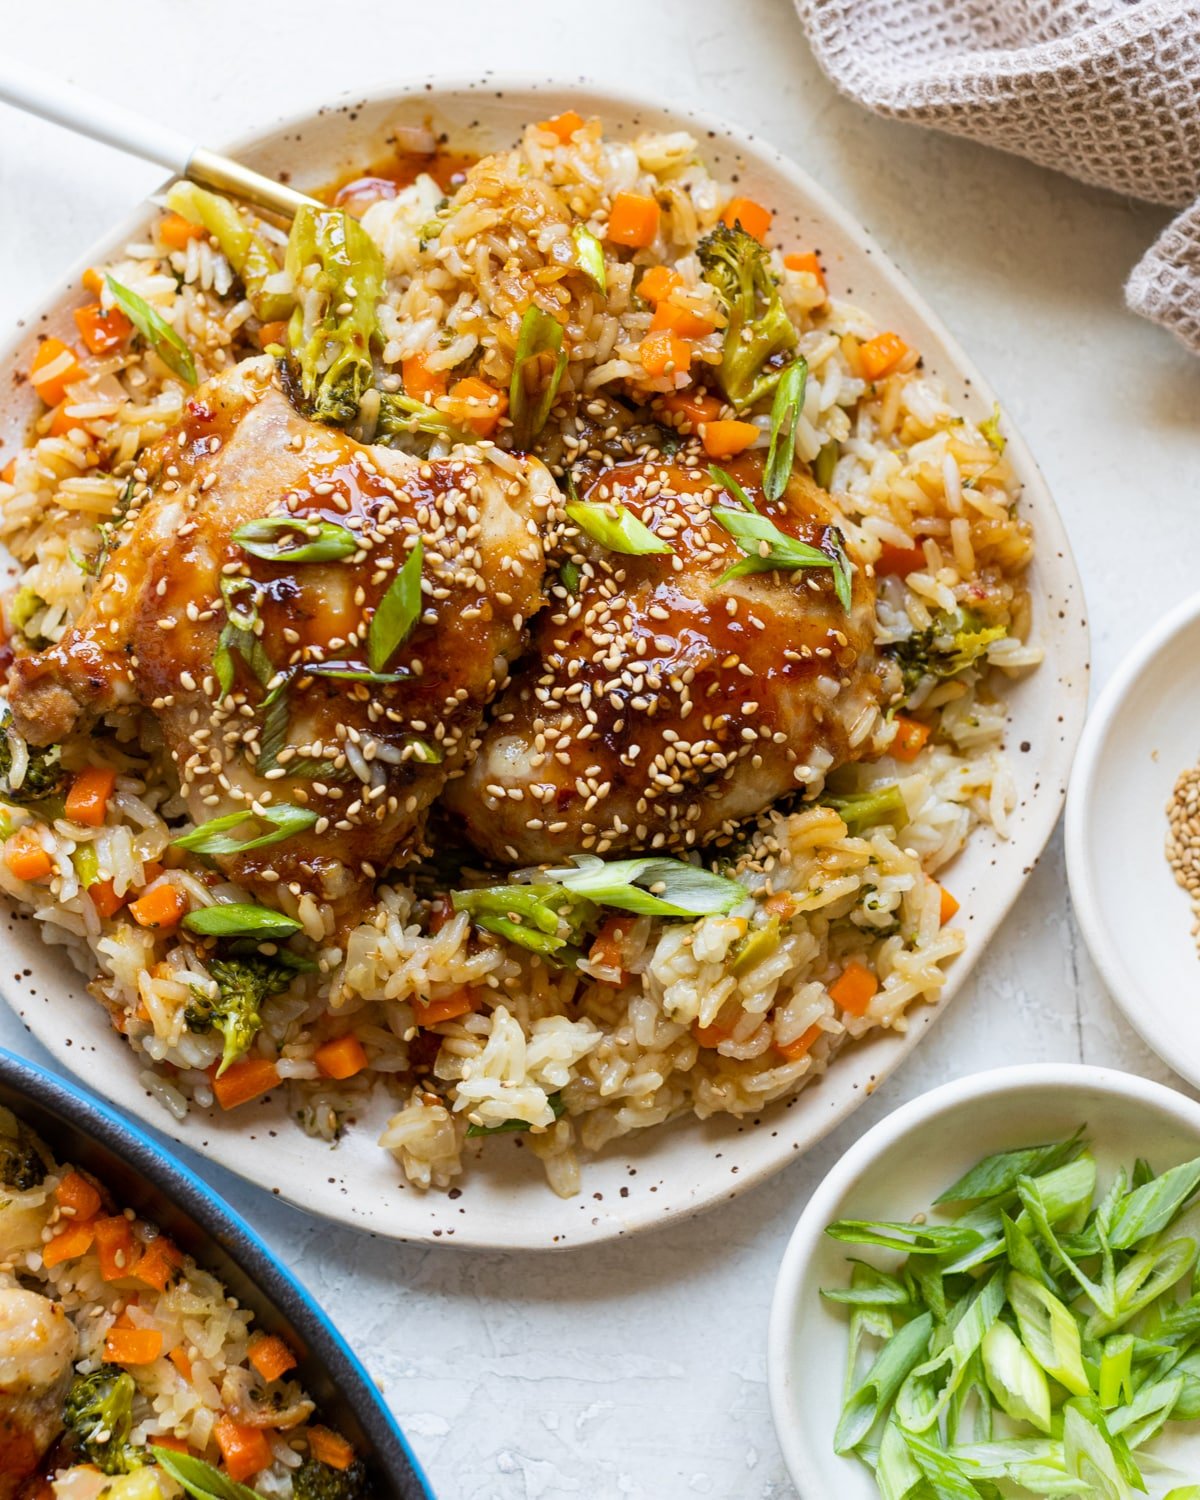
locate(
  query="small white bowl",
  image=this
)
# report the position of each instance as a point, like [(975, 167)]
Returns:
[(895, 1171), (1135, 918)]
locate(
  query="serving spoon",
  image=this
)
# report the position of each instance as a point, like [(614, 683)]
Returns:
[(64, 104)]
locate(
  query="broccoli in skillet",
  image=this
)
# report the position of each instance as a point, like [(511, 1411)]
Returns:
[(314, 1480), (98, 1414), (955, 640), (22, 1165), (44, 775), (759, 328)]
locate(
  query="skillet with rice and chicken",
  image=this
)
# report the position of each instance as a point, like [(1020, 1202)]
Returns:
[(512, 639)]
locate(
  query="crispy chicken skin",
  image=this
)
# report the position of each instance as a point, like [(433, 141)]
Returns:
[(38, 1343), (658, 709), (367, 757)]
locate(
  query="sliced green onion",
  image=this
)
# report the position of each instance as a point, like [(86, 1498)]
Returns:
[(425, 753), (875, 1393), (729, 483), (213, 838), (1015, 1379), (825, 463), (990, 428), (590, 254), (199, 1479), (753, 532), (915, 1239), (240, 919), (1147, 1210), (555, 1101), (569, 575), (862, 810), (310, 539), (785, 415), (1048, 1331), (397, 612), (995, 1176), (157, 332), (653, 887), (540, 335), (615, 527)]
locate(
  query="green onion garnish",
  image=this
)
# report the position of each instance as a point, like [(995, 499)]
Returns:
[(157, 332), (240, 919), (590, 254), (310, 539), (785, 414), (541, 337), (213, 838), (616, 527), (397, 612)]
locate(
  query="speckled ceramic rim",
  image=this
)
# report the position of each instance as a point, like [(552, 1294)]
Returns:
[(889, 1135), (728, 1155), (1120, 980), (79, 1117)]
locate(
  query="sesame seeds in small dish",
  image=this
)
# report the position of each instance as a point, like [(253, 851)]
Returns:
[(1133, 837), (564, 752)]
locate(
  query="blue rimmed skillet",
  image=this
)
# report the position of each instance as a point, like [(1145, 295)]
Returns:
[(81, 1129)]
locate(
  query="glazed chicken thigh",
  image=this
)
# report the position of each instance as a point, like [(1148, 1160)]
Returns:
[(289, 663), (661, 707)]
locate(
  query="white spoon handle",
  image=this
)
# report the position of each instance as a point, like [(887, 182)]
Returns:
[(112, 124), (63, 104)]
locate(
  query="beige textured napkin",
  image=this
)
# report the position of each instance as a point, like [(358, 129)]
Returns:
[(1107, 90)]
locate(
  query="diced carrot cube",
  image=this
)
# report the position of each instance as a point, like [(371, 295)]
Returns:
[(420, 383), (563, 126), (169, 1440), (661, 353), (881, 354), (798, 1046), (658, 282), (92, 281), (898, 562), (270, 1356), (608, 947), (710, 1036), (948, 907), (477, 405), (854, 988), (910, 738), (633, 220), (330, 1448), (805, 261), (161, 907), (695, 405), (159, 1262), (64, 419), (272, 333), (104, 898), (55, 367), (102, 331), (9, 472), (245, 1450), (179, 1358), (690, 320), (117, 1248), (752, 216), (342, 1057), (722, 439), (69, 1243), (458, 1003), (76, 1194), (175, 231), (25, 856), (245, 1080), (132, 1346), (87, 801)]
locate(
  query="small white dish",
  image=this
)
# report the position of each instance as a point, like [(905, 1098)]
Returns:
[(895, 1171), (656, 1175), (1135, 918)]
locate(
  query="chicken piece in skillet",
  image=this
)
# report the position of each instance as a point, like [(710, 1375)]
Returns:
[(659, 708), (191, 621), (38, 1343)]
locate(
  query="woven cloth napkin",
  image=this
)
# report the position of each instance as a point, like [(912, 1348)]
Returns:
[(1106, 90)]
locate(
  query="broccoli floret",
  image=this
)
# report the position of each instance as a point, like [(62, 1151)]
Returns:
[(759, 327), (244, 982), (44, 776), (314, 1480), (22, 1162), (245, 251), (862, 810), (955, 641), (330, 337), (98, 1414)]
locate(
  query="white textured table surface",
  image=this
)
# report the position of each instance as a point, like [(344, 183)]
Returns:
[(637, 1369)]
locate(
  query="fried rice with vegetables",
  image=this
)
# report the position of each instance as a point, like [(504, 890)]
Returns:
[(516, 640), (126, 1370)]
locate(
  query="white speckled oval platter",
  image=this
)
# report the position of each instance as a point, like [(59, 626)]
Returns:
[(660, 1174)]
